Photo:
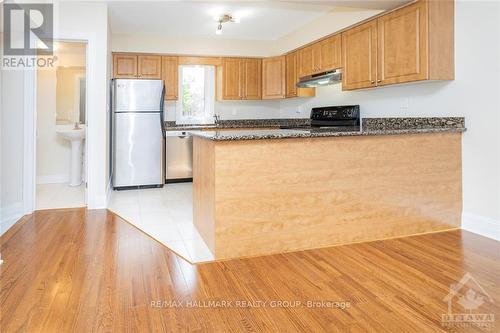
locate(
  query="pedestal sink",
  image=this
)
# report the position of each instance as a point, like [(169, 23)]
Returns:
[(75, 136)]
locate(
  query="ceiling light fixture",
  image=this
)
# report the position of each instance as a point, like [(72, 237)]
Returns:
[(224, 18)]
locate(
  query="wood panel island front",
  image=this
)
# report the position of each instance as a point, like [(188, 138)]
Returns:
[(271, 191)]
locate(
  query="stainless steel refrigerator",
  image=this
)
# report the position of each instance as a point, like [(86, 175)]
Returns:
[(138, 136)]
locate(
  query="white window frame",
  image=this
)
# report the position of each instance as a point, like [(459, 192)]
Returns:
[(209, 98)]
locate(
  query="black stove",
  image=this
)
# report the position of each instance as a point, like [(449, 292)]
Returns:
[(342, 118)]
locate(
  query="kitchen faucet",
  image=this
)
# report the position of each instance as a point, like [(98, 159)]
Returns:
[(217, 119)]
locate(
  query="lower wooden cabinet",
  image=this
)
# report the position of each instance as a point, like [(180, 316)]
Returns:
[(170, 76), (273, 78)]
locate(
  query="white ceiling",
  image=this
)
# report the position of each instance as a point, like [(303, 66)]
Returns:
[(260, 20)]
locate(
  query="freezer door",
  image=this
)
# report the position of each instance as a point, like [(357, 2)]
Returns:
[(139, 148), (137, 95)]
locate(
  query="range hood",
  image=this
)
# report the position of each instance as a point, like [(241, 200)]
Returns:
[(320, 79)]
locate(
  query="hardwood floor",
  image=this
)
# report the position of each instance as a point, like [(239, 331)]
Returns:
[(82, 271)]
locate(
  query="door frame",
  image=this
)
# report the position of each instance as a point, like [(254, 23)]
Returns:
[(30, 119)]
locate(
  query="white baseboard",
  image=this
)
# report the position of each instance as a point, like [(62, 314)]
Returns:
[(101, 201), (52, 179), (9, 215), (481, 225), (109, 190)]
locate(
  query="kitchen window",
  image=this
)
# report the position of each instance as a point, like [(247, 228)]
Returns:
[(196, 102)]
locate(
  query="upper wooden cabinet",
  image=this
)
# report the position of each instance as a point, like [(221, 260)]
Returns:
[(402, 45), (127, 66), (412, 43), (305, 61), (321, 56), (291, 75), (330, 53), (124, 66), (316, 58), (240, 78), (252, 78), (359, 46), (149, 67), (292, 78), (231, 78), (273, 77), (170, 76)]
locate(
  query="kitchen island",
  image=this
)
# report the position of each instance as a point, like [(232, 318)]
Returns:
[(271, 191)]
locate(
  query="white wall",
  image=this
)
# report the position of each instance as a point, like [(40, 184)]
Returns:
[(237, 110), (473, 94), (11, 147), (88, 21), (72, 21), (337, 20), (12, 119), (53, 154), (190, 46), (219, 46)]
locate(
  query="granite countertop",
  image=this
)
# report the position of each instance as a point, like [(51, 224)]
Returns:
[(240, 123), (371, 126)]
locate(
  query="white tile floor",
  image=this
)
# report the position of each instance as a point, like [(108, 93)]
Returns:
[(50, 196), (165, 214)]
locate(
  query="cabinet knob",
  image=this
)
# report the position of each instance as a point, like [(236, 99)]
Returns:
[(379, 81), (373, 82)]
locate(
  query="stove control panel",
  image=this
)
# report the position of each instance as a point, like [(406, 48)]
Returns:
[(345, 115)]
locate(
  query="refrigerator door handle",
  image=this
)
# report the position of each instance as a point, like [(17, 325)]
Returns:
[(162, 113)]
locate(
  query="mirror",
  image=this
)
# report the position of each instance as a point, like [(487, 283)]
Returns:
[(82, 99), (70, 95)]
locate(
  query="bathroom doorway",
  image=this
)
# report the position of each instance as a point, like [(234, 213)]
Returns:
[(61, 112)]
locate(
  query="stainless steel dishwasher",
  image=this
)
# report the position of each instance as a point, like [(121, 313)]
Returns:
[(179, 157)]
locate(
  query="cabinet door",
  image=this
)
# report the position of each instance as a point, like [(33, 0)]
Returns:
[(149, 67), (316, 56), (252, 79), (331, 55), (170, 76), (273, 78), (231, 78), (402, 45), (291, 74), (305, 60), (359, 47), (124, 66)]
